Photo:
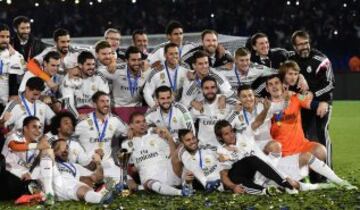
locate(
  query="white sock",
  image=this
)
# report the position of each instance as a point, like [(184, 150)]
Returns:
[(164, 189), (308, 186), (92, 197), (321, 168), (46, 169)]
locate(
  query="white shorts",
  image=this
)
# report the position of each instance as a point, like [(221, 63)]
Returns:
[(290, 166), (67, 190), (164, 175)]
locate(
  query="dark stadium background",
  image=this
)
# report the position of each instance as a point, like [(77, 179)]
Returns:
[(334, 25)]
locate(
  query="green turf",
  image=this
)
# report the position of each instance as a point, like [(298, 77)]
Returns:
[(345, 132)]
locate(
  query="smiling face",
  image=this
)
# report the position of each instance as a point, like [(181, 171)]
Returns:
[(275, 87), (102, 105), (33, 130), (165, 99), (210, 43), (302, 46), (228, 135), (23, 30), (172, 56), (247, 98), (190, 142), (262, 46), (63, 44), (52, 67), (114, 40), (134, 62), (209, 89), (243, 63), (88, 67), (176, 36)]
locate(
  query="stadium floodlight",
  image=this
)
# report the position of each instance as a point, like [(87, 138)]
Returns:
[(36, 4), (90, 3), (133, 1), (8, 1), (288, 2)]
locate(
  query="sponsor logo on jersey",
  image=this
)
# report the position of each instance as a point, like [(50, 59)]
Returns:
[(308, 69)]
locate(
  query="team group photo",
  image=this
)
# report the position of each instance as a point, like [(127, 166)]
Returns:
[(179, 104)]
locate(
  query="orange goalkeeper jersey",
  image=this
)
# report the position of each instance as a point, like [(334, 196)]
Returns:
[(286, 127)]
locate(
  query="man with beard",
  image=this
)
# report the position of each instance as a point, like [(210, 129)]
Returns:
[(50, 67), (191, 95), (174, 33), (28, 105), (11, 66), (218, 55), (169, 114), (141, 41), (317, 70), (262, 54), (151, 155), (128, 79), (209, 113), (74, 177), (23, 41), (172, 75), (79, 96), (98, 131)]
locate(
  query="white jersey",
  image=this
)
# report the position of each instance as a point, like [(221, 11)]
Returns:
[(92, 137), (47, 91), (173, 78), (207, 120), (157, 53), (18, 163), (80, 96), (203, 164), (126, 89), (66, 62), (177, 118), (14, 64), (192, 89), (19, 110), (76, 151), (255, 72), (150, 155), (243, 119), (245, 146)]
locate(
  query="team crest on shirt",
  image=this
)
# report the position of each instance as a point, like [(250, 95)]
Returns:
[(162, 76), (130, 144), (110, 127), (308, 69), (207, 161), (41, 112), (90, 122), (152, 143), (93, 87), (241, 118), (174, 120)]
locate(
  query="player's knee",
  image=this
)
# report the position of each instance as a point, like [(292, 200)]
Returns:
[(81, 191), (304, 158), (272, 146), (319, 151)]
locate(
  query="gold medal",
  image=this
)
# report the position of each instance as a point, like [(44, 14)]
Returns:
[(278, 123), (101, 145)]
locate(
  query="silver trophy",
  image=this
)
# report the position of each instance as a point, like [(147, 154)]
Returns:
[(123, 157)]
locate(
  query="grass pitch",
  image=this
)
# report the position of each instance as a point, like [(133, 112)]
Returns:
[(345, 135)]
